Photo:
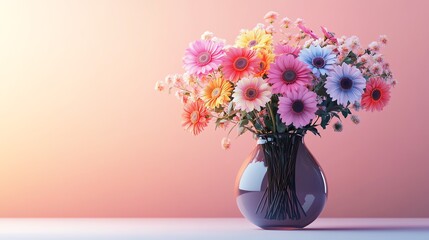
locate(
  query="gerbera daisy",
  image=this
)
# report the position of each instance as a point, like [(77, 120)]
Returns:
[(203, 57), (345, 84), (195, 117), (217, 92), (251, 94), (280, 49), (239, 62), (288, 73), (298, 107), (254, 39), (319, 59), (265, 59), (376, 95)]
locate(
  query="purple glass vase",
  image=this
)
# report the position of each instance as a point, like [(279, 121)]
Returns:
[(281, 185)]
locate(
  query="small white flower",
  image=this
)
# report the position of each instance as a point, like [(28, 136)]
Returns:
[(383, 39), (378, 58), (285, 22), (376, 69), (299, 21), (226, 143), (159, 86), (352, 42), (374, 46), (207, 35), (219, 40)]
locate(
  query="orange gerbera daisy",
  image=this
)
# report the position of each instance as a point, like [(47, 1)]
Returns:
[(217, 92), (195, 117), (376, 95), (265, 59)]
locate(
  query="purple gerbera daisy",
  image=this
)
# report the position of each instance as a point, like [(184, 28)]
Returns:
[(345, 84), (298, 107), (203, 57)]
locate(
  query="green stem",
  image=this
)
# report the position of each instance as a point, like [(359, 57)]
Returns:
[(256, 120), (314, 123), (272, 117), (230, 130)]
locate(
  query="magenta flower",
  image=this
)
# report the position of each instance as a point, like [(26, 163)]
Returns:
[(307, 31), (329, 35), (298, 107), (288, 73)]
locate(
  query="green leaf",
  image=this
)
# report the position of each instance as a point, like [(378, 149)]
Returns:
[(335, 115), (281, 127), (346, 112), (230, 107), (268, 123), (314, 131), (258, 126), (241, 130), (325, 121), (243, 122)]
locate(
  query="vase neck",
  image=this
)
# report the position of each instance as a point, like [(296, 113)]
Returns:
[(280, 138)]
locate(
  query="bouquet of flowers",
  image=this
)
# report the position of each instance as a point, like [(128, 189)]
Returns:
[(279, 84), (272, 80)]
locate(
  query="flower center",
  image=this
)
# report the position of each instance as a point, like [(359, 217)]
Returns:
[(376, 94), (251, 93), (203, 58), (252, 43), (319, 62), (289, 76), (194, 117), (240, 63), (262, 65), (298, 106), (215, 92), (346, 83)]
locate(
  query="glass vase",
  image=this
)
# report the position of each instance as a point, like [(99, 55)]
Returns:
[(281, 185)]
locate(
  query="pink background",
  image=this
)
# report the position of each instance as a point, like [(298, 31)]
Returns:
[(84, 134)]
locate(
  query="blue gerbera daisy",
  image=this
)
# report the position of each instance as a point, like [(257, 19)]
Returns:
[(345, 84), (320, 60)]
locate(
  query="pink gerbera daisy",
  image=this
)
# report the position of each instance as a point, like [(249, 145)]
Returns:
[(376, 95), (280, 49), (251, 94), (203, 57), (195, 117), (298, 107), (288, 73), (239, 62)]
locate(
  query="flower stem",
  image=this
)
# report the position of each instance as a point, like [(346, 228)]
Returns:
[(272, 117)]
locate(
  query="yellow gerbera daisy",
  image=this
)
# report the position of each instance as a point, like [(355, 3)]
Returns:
[(254, 39), (217, 92), (265, 59)]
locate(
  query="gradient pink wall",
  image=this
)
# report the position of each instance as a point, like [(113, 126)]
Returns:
[(83, 133)]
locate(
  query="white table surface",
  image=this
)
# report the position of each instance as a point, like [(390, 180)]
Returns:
[(210, 228)]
